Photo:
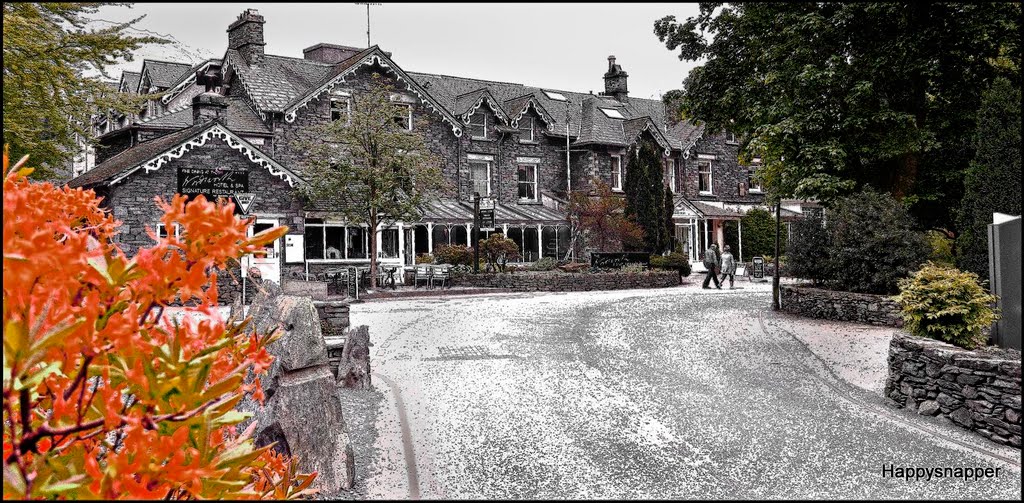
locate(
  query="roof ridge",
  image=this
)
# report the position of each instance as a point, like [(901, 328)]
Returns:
[(144, 60), (298, 59), (464, 78)]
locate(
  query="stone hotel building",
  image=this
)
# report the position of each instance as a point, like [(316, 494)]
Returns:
[(235, 118)]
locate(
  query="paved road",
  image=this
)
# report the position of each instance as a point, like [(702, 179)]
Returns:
[(674, 393)]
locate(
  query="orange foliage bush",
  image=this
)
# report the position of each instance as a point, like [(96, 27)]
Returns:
[(103, 396)]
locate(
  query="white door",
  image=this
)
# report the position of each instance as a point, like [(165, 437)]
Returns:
[(269, 264)]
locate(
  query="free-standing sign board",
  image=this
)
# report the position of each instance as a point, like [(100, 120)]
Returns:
[(758, 268)]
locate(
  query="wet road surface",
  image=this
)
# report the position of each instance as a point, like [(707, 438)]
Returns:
[(668, 393)]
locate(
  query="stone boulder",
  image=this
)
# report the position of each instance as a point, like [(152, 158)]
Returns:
[(354, 368), (302, 412)]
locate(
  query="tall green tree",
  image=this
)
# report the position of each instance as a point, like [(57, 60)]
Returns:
[(49, 93), (837, 96), (369, 169), (993, 180), (645, 196)]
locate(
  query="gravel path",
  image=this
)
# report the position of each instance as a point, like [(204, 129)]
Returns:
[(669, 393)]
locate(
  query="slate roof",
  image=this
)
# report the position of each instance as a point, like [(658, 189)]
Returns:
[(241, 118), (164, 73), (134, 156), (130, 81), (582, 109), (453, 211), (189, 75), (279, 80)]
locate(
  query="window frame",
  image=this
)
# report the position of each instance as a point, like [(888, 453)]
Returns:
[(408, 115), (488, 160), (521, 129), (161, 231), (616, 161), (671, 172), (554, 95), (348, 107), (612, 113), (754, 166), (535, 165), (473, 124), (730, 138), (710, 184), (344, 245)]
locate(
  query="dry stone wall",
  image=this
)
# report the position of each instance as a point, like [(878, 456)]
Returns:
[(569, 282), (978, 390), (812, 302)]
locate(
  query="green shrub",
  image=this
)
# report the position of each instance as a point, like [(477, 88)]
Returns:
[(497, 250), (454, 254), (940, 247), (872, 243), (809, 250), (759, 234), (946, 303), (424, 258), (674, 261), (544, 264)]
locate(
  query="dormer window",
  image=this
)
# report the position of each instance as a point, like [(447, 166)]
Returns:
[(613, 113), (403, 116), (526, 129), (555, 96), (730, 138), (478, 126)]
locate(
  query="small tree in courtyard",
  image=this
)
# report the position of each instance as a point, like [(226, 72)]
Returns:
[(807, 250), (498, 250), (369, 168), (600, 222), (103, 396), (872, 243), (759, 233)]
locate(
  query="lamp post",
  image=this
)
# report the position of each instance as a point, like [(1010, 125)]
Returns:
[(476, 232), (778, 234)]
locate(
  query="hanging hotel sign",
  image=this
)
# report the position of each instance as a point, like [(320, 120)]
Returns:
[(244, 201), (212, 183), (486, 214)]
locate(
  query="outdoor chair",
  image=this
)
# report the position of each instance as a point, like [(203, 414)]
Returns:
[(442, 274), (422, 274)]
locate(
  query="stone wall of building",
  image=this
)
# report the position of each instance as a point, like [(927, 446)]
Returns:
[(132, 202), (568, 282), (726, 173), (813, 302), (977, 390), (437, 133)]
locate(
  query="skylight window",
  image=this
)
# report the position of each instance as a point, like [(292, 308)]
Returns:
[(613, 113), (555, 96)]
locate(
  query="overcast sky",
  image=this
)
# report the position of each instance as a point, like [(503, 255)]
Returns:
[(560, 46)]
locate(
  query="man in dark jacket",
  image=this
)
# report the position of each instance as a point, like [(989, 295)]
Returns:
[(712, 263)]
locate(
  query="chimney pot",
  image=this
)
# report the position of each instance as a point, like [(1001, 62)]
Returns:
[(245, 35)]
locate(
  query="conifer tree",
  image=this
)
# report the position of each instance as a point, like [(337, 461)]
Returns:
[(645, 194)]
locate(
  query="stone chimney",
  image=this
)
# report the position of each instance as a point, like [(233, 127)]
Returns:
[(209, 105), (245, 35), (615, 81), (329, 53)]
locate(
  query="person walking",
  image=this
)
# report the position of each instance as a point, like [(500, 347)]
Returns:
[(728, 266), (712, 263)]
